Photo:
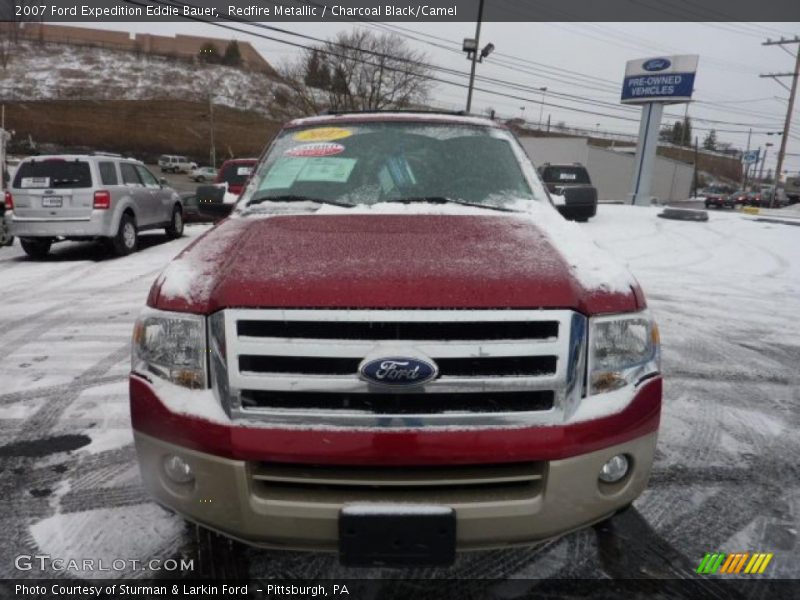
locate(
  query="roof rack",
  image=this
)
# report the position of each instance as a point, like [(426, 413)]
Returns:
[(103, 153), (459, 113)]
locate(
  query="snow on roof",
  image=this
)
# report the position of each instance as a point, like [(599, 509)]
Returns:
[(396, 116)]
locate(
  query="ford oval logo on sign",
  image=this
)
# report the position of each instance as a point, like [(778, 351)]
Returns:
[(656, 64), (398, 371)]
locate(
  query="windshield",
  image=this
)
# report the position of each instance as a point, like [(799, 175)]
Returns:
[(367, 163)]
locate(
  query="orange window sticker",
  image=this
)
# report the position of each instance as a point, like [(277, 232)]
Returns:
[(322, 134)]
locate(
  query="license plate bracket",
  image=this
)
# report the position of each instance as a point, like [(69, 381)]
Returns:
[(402, 535), (52, 202)]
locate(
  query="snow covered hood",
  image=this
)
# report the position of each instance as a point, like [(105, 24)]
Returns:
[(389, 257)]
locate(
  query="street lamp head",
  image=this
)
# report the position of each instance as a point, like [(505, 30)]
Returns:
[(487, 50)]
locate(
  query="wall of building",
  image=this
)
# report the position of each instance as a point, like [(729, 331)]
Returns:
[(611, 171), (183, 46)]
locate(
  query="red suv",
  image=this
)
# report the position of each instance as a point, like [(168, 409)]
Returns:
[(395, 348), (235, 173)]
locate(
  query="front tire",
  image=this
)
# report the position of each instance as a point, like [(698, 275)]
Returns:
[(127, 238), (37, 249), (175, 228)]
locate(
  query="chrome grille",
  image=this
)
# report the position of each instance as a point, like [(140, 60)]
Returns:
[(496, 367)]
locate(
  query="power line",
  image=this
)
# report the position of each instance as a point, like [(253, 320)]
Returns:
[(420, 63)]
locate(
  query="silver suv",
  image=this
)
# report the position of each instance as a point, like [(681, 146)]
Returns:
[(88, 197)]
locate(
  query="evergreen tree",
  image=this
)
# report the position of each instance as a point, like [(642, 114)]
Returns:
[(317, 73), (710, 141), (232, 56), (686, 138)]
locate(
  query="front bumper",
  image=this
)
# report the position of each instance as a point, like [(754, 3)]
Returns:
[(304, 516), (236, 491)]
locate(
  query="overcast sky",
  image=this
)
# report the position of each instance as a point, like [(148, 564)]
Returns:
[(586, 61)]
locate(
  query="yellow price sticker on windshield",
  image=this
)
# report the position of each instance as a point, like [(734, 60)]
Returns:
[(322, 134)]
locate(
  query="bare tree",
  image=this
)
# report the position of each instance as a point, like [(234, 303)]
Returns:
[(358, 70)]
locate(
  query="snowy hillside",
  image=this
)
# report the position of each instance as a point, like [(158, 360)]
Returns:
[(54, 71)]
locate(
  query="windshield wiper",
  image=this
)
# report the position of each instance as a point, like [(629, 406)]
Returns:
[(445, 200), (295, 198)]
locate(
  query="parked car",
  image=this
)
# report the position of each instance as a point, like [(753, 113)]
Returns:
[(88, 197), (6, 239), (203, 174), (755, 198), (234, 174), (582, 204), (191, 212), (792, 190), (719, 197), (414, 354), (741, 197), (171, 163)]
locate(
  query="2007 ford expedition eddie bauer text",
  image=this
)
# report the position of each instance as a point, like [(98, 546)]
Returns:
[(394, 348)]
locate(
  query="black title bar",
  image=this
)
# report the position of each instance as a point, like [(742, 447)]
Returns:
[(398, 10)]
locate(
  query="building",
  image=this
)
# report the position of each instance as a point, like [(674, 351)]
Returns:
[(611, 170)]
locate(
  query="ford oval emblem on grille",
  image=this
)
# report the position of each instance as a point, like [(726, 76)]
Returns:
[(398, 371), (656, 64)]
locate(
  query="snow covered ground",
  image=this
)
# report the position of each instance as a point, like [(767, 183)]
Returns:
[(726, 294)]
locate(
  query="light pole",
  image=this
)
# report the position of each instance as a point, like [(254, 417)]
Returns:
[(522, 113), (541, 107), (471, 48)]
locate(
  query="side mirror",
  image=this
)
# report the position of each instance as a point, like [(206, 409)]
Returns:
[(163, 181), (210, 202)]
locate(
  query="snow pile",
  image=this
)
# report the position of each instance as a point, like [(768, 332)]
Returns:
[(43, 72)]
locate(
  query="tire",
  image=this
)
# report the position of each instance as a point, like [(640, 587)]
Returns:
[(175, 228), (37, 249), (127, 237), (200, 179)]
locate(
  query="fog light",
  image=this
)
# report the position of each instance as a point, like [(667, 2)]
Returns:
[(615, 469), (177, 469)]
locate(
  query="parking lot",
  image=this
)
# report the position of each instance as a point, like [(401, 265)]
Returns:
[(726, 294)]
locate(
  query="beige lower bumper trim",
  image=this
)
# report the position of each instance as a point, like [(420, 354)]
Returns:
[(225, 498)]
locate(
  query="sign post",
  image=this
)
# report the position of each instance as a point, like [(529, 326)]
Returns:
[(652, 83)]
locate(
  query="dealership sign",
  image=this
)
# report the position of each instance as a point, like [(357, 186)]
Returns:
[(659, 79)]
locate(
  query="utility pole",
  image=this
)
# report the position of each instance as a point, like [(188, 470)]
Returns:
[(747, 165), (763, 160), (788, 123), (212, 155), (694, 179)]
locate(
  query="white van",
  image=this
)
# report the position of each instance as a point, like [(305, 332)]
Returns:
[(171, 163)]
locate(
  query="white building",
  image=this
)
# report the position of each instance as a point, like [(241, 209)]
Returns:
[(611, 170)]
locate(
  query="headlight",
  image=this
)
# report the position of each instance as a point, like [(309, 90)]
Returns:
[(622, 351), (172, 346)]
